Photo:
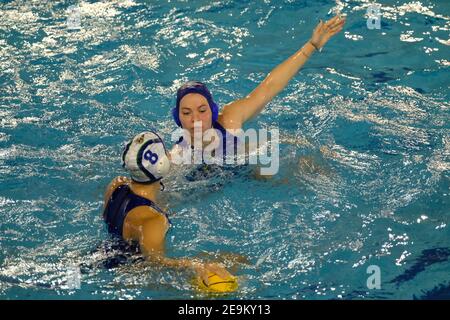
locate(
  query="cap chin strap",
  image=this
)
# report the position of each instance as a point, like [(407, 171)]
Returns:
[(145, 182), (163, 187)]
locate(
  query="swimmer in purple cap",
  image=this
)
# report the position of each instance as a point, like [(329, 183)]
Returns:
[(195, 105)]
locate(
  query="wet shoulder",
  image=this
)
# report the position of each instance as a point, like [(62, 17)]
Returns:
[(114, 184), (141, 214)]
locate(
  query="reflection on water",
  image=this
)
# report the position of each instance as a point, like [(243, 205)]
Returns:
[(364, 168)]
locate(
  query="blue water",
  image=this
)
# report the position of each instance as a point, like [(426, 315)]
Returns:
[(371, 112)]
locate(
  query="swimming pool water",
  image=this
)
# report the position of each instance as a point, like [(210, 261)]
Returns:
[(371, 111)]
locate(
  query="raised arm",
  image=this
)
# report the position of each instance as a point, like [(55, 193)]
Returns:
[(235, 114)]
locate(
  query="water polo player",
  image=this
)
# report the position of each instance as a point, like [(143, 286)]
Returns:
[(131, 210), (195, 105)]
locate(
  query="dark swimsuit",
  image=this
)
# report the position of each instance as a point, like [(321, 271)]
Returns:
[(121, 202)]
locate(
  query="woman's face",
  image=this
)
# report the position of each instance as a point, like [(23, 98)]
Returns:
[(195, 108)]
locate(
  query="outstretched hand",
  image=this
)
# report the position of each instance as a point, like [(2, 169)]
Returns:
[(203, 271), (325, 30)]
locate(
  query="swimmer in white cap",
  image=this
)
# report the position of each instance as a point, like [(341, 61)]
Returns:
[(130, 208)]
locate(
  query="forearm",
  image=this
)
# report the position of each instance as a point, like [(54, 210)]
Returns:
[(280, 76), (274, 83), (155, 254), (181, 263)]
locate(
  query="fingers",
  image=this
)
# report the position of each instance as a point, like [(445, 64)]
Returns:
[(332, 20), (223, 273), (341, 22), (220, 271), (334, 25), (318, 27), (335, 22), (203, 275), (336, 29), (202, 272)]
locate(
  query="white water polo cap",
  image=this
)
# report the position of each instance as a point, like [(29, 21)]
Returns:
[(145, 158)]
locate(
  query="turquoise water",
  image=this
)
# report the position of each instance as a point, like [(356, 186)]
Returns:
[(377, 100)]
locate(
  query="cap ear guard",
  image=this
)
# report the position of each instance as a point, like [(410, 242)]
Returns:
[(176, 116), (124, 153), (215, 111)]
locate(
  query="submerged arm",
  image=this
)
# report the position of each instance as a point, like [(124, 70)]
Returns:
[(151, 240)]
